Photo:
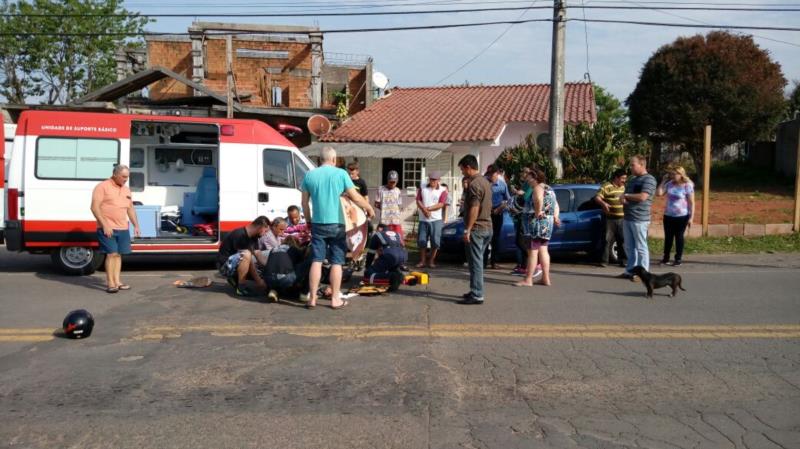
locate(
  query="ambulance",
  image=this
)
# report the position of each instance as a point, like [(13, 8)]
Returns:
[(192, 181)]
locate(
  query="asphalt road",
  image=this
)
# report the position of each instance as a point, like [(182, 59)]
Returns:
[(588, 362)]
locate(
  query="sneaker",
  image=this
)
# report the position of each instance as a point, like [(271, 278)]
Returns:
[(233, 282), (471, 301), (664, 262), (467, 295), (677, 263), (519, 271), (538, 271), (624, 276), (272, 296), (304, 297)]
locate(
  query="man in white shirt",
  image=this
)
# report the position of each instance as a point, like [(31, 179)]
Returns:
[(431, 199)]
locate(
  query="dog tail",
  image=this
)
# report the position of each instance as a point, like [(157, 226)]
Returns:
[(681, 286)]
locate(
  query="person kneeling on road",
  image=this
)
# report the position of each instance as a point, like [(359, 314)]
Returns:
[(237, 256), (286, 271), (391, 255)]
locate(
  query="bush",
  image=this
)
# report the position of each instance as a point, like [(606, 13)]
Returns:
[(526, 154)]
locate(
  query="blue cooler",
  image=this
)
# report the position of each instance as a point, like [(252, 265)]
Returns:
[(149, 221)]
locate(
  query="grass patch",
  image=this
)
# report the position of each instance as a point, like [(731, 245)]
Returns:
[(743, 245)]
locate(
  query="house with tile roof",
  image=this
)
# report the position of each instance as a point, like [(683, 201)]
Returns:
[(418, 130)]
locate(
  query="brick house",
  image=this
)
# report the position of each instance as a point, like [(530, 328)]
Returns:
[(418, 130)]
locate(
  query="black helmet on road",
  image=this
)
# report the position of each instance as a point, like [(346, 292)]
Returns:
[(78, 324)]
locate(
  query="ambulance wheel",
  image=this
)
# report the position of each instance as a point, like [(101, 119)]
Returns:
[(77, 260)]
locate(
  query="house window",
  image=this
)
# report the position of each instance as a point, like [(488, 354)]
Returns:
[(412, 172)]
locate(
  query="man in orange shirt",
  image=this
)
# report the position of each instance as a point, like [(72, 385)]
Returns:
[(112, 207)]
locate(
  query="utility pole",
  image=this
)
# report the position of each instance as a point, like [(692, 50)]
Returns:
[(557, 86)]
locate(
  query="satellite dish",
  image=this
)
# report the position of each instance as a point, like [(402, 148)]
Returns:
[(380, 80), (543, 141), (319, 125)]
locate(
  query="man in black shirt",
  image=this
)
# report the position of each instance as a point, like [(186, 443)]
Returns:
[(238, 253), (286, 271), (361, 185)]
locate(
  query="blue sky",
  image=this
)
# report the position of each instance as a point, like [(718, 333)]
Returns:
[(423, 57)]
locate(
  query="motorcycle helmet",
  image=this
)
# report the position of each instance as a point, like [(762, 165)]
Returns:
[(78, 324)]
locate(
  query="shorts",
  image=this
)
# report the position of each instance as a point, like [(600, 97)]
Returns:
[(328, 241), (228, 269), (432, 230), (537, 243), (118, 243)]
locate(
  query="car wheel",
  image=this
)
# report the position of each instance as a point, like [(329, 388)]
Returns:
[(77, 260)]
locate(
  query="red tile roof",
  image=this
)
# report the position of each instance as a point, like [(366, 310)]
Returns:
[(459, 114)]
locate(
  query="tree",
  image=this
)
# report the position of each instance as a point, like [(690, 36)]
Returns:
[(70, 61), (793, 102), (720, 79), (591, 152)]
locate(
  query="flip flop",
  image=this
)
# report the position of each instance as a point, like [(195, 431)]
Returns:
[(344, 304), (123, 287), (112, 290)]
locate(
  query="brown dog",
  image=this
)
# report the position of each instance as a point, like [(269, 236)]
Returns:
[(653, 281)]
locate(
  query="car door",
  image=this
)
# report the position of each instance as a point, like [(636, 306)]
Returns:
[(588, 218), (561, 234), (278, 188)]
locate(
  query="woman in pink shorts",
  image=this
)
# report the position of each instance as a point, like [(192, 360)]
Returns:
[(543, 210)]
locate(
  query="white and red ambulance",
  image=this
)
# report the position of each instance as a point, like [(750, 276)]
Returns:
[(217, 174)]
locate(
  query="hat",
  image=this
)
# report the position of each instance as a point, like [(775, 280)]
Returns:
[(392, 176), (435, 175)]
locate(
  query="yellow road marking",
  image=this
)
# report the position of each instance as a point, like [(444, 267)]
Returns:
[(24, 338), (576, 331), (23, 331)]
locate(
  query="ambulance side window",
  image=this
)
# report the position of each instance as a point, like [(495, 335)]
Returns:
[(278, 170), (300, 170), (75, 158)]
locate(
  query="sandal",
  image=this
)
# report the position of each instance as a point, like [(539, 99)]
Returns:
[(344, 304), (112, 290), (123, 287)]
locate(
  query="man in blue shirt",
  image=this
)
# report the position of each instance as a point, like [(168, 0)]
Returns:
[(500, 199), (323, 186)]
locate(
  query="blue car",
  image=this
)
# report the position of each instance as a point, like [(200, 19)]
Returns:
[(582, 225)]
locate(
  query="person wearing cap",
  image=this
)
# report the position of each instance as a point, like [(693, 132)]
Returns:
[(389, 201), (431, 200)]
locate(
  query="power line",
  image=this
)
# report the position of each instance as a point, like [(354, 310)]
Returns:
[(706, 23), (500, 36), (419, 27), (586, 75), (414, 12)]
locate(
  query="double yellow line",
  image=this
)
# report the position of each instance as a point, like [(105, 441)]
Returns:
[(480, 331), (11, 335), (474, 331)]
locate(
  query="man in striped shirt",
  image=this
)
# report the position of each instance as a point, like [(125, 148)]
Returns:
[(608, 197)]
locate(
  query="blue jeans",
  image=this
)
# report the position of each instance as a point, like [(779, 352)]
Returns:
[(328, 241), (432, 230), (479, 240), (635, 236)]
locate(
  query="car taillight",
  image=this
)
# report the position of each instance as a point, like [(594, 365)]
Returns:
[(13, 204)]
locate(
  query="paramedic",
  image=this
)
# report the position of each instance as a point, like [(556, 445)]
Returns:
[(112, 207), (237, 255), (391, 255)]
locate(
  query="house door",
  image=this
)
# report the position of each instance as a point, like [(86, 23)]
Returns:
[(390, 164)]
